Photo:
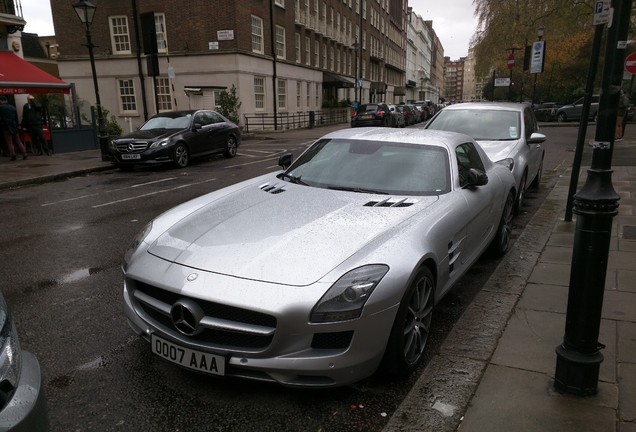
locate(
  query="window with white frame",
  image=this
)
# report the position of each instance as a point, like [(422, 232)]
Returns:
[(317, 94), (259, 93), (160, 28), (331, 64), (297, 40), (280, 42), (164, 98), (282, 94), (257, 34), (119, 38), (317, 53), (324, 56), (299, 95), (217, 99), (127, 99), (308, 89), (307, 50), (280, 3)]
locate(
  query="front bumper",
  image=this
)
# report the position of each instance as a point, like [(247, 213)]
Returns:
[(150, 156), (26, 411)]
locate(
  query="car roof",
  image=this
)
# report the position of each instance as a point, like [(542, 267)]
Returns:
[(438, 138), (504, 106)]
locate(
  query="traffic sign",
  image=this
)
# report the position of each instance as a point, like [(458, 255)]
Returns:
[(511, 61), (630, 63), (601, 12)]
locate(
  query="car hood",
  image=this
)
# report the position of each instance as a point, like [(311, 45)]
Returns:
[(281, 233), (150, 134), (498, 150)]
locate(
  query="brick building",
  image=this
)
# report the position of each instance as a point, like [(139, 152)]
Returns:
[(206, 46)]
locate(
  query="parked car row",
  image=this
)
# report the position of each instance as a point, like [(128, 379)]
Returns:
[(389, 115), (552, 111)]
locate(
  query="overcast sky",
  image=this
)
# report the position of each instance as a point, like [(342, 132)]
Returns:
[(453, 21)]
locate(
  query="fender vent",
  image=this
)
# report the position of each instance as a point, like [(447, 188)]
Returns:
[(389, 203), (273, 189)]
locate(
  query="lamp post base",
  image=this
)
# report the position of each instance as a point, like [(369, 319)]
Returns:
[(577, 373)]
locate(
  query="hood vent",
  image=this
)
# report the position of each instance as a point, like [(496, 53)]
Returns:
[(273, 189), (389, 203)]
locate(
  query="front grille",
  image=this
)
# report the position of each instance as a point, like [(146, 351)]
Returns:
[(131, 147), (243, 321)]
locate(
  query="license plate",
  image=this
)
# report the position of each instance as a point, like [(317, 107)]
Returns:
[(192, 359), (366, 117), (130, 156)]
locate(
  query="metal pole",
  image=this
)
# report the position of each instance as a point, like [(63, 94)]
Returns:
[(102, 134), (579, 356), (355, 73)]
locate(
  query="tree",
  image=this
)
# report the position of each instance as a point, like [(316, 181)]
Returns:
[(229, 104)]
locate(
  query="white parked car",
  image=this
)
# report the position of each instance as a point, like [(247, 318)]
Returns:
[(508, 132), (317, 275)]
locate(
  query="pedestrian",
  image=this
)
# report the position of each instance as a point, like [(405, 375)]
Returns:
[(9, 126), (621, 117), (32, 122)]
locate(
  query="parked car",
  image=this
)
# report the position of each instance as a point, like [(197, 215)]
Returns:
[(372, 114), (422, 113), (407, 113), (508, 132), (547, 111), (319, 274), (398, 118), (573, 111), (22, 401), (175, 138)]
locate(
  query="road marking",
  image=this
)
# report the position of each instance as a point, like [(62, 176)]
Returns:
[(151, 193), (104, 192)]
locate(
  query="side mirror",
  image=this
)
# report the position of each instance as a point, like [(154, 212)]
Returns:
[(476, 177), (537, 138), (196, 126), (285, 160)]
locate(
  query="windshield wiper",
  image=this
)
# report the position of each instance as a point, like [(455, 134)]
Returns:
[(293, 179), (356, 189)]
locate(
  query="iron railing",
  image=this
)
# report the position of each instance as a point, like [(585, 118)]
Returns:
[(304, 119)]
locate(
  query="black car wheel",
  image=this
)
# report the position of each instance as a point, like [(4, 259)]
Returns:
[(501, 242), (561, 118), (231, 147), (181, 155), (412, 325)]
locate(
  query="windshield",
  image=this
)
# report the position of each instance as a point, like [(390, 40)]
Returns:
[(373, 167), (164, 122), (481, 124)]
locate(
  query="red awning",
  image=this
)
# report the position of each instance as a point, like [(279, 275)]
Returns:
[(18, 76)]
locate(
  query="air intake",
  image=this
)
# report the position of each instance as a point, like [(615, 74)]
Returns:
[(273, 189), (389, 203)]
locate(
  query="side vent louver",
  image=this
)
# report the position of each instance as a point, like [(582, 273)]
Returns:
[(273, 189), (389, 203)]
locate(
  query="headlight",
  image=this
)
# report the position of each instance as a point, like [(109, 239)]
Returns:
[(508, 163), (10, 355), (137, 240), (346, 298), (159, 143)]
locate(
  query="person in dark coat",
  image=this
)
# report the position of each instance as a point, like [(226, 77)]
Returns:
[(32, 122), (9, 126)]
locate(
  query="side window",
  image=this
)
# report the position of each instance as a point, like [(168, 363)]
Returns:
[(467, 158), (202, 118), (215, 117), (530, 122)]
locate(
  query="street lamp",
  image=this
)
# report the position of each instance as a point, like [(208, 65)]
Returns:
[(356, 46), (85, 10)]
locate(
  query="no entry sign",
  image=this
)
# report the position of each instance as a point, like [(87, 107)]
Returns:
[(630, 63)]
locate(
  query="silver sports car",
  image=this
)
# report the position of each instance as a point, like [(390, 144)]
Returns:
[(317, 275)]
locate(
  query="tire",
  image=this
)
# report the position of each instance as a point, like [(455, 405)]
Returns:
[(536, 182), (181, 156), (501, 242), (521, 194), (412, 326), (562, 118), (231, 147)]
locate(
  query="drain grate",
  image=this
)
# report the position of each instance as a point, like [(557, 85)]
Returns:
[(629, 232)]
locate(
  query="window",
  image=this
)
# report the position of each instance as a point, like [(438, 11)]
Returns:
[(308, 88), (280, 42), (324, 56), (298, 95), (127, 100), (307, 50), (119, 38), (318, 94), (297, 37), (259, 93), (467, 158), (331, 64), (280, 3), (317, 54), (282, 94), (164, 98), (257, 34), (217, 99), (160, 28)]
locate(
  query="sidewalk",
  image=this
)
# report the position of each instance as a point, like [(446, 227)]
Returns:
[(495, 370), (501, 353)]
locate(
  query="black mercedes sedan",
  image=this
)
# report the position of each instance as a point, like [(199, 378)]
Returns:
[(175, 138)]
